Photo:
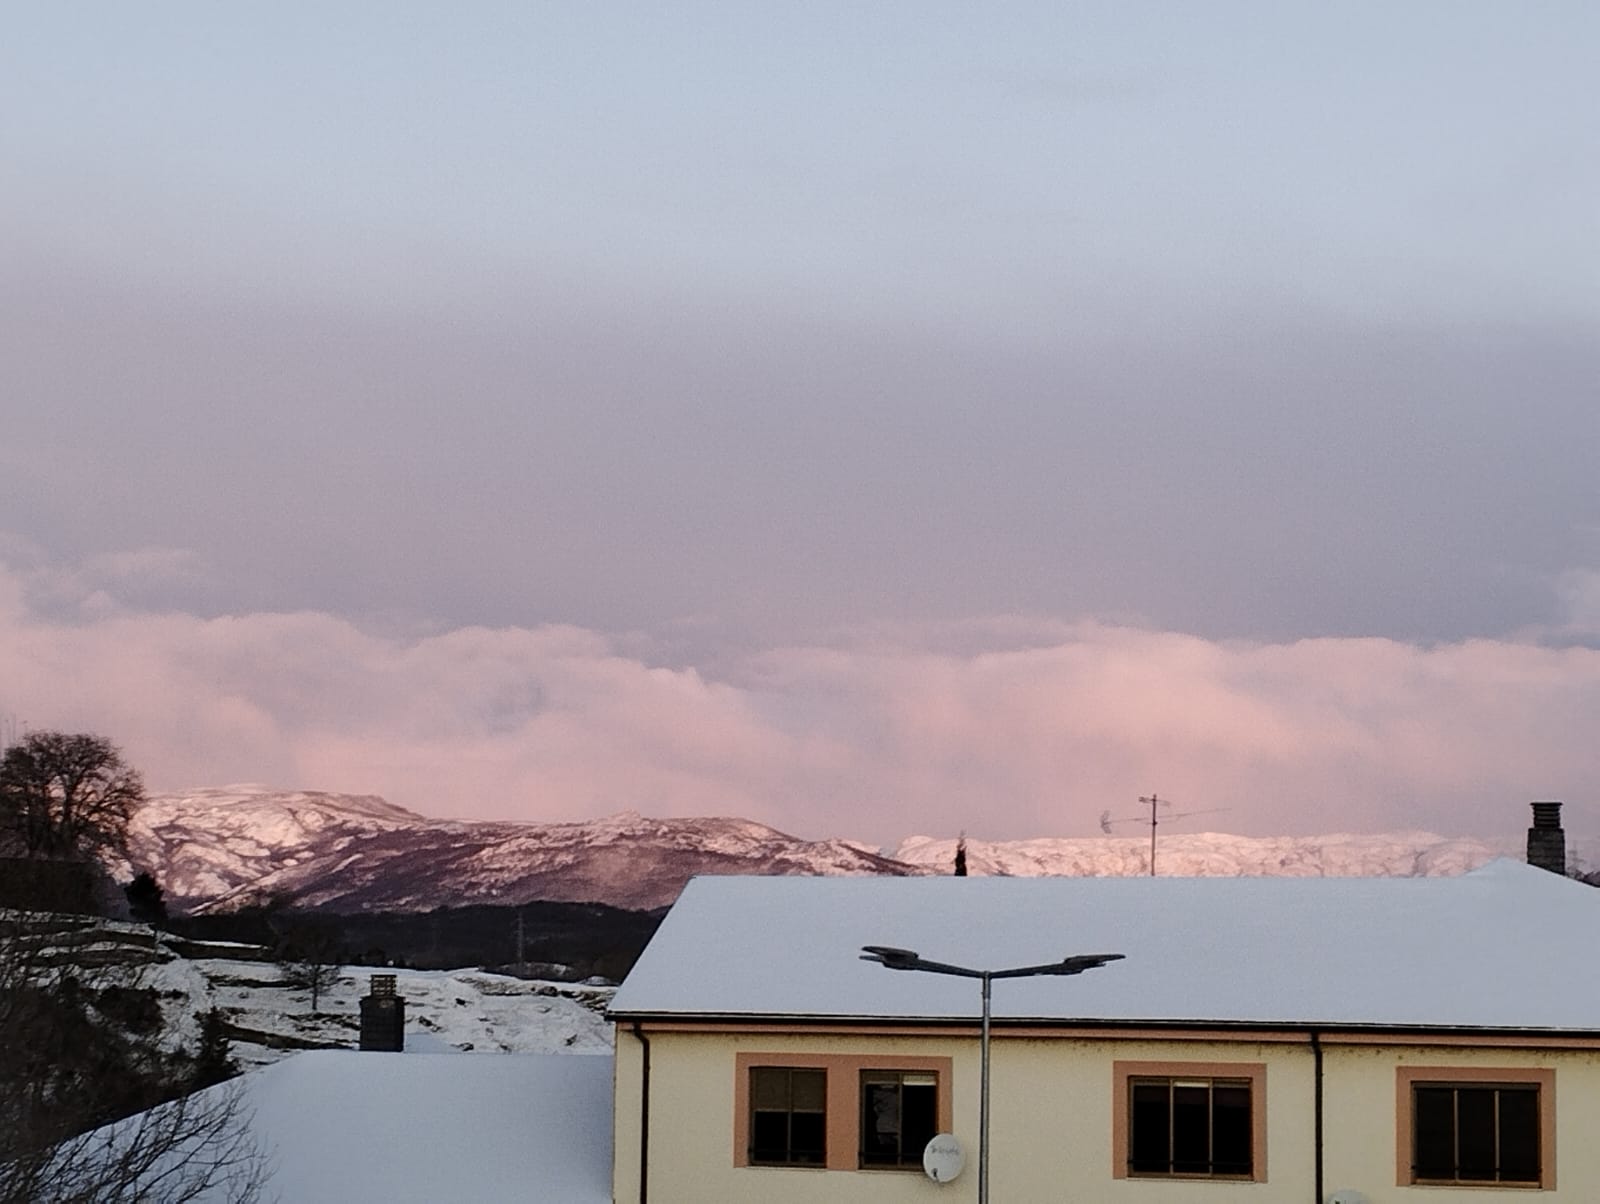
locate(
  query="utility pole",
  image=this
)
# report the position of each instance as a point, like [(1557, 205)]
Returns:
[(1152, 802), (1155, 803)]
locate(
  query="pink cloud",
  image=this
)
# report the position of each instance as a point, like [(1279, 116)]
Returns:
[(1006, 727)]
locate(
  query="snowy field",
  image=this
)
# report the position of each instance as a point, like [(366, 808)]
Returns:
[(464, 1011)]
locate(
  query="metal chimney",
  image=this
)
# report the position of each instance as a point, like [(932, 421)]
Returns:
[(1547, 842), (383, 1016)]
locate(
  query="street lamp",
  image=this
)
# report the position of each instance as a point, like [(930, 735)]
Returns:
[(905, 959)]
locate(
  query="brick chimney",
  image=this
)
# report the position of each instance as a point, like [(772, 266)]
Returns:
[(383, 1016), (1547, 843)]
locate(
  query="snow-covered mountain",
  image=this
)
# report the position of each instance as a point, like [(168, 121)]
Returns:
[(357, 852), (1220, 855)]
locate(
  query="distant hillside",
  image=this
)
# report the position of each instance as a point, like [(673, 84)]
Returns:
[(358, 853), (1219, 855)]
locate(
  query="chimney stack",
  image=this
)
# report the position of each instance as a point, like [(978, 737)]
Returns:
[(1547, 843), (383, 1016)]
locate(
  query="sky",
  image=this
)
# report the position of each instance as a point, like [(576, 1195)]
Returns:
[(870, 420)]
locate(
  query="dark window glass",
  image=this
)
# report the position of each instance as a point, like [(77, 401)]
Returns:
[(788, 1115), (1149, 1139), (1435, 1114), (899, 1116), (1519, 1135), (1190, 1127), (1475, 1143), (1232, 1134), (1476, 1133)]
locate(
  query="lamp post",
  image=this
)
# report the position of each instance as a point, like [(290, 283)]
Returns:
[(905, 959)]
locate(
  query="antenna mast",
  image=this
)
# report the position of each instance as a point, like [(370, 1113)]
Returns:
[(1155, 803), (1152, 802)]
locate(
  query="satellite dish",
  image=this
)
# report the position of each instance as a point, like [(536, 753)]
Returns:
[(943, 1158)]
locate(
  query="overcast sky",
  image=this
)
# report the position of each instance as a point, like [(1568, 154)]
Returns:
[(870, 419)]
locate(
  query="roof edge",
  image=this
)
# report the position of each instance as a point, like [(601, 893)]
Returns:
[(746, 1020)]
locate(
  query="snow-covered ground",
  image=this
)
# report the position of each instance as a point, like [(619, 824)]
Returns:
[(340, 1127), (465, 1011)]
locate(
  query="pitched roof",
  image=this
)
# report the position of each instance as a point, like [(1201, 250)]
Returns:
[(1504, 947)]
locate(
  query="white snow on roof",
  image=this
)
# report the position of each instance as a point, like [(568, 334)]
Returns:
[(341, 1126), (1506, 946)]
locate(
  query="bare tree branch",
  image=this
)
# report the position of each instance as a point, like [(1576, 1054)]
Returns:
[(88, 1113), (67, 795)]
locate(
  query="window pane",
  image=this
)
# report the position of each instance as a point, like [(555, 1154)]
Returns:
[(1519, 1135), (809, 1090), (1475, 1132), (1232, 1140), (1148, 1150), (1434, 1117), (769, 1137), (807, 1136), (919, 1119), (781, 1132), (880, 1122), (1191, 1130), (769, 1088), (899, 1116)]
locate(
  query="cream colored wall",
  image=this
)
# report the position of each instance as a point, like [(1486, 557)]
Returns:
[(1052, 1122), (691, 1125), (1053, 1102), (1050, 1131), (1359, 1128), (625, 1117)]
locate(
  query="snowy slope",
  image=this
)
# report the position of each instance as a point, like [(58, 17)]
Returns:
[(358, 853), (1220, 855), (353, 1128), (447, 1011), (352, 853)]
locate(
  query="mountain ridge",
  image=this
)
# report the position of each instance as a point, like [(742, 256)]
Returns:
[(223, 847)]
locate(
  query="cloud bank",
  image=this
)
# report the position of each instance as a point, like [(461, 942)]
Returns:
[(1006, 728)]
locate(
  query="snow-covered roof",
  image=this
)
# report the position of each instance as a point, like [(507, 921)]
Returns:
[(1504, 947), (341, 1125)]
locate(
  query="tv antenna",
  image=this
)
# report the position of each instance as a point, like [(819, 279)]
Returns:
[(1155, 803)]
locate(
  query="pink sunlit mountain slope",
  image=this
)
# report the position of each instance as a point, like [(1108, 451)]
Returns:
[(350, 853), (358, 853), (1220, 855)]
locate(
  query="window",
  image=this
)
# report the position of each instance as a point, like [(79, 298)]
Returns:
[(1189, 1120), (1478, 1126), (788, 1116), (799, 1109), (1189, 1127), (899, 1116), (1475, 1133)]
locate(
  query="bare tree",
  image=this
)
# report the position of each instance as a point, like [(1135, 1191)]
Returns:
[(90, 1113), (311, 954), (67, 795), (197, 1147)]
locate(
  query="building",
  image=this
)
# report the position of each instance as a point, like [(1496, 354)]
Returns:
[(1264, 1040), (342, 1127)]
